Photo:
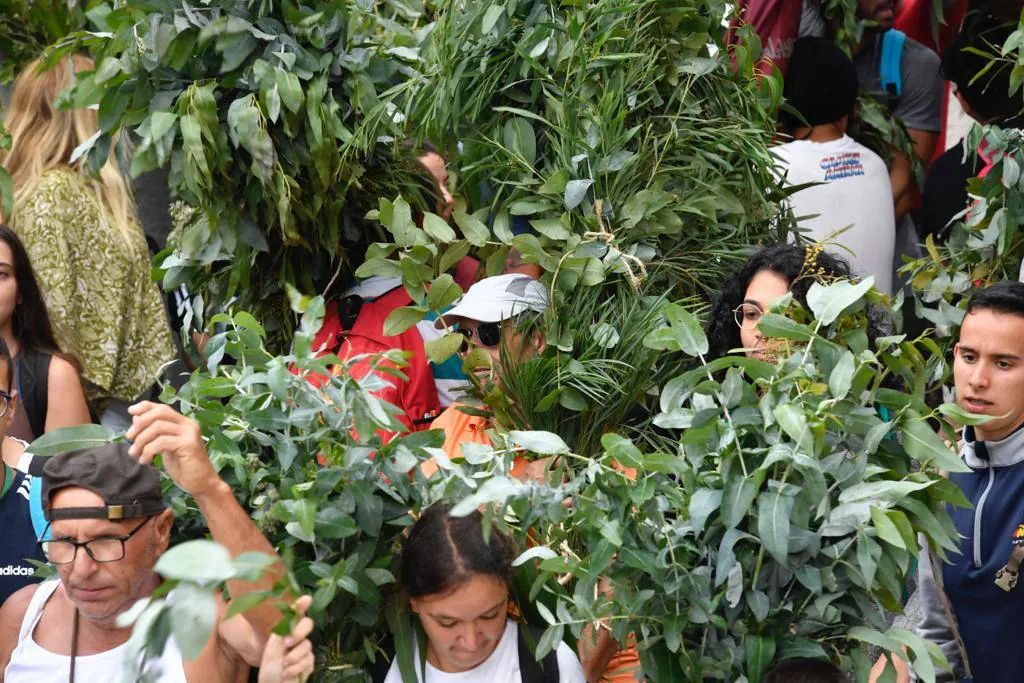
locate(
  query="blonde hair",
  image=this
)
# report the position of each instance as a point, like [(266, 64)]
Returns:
[(44, 137)]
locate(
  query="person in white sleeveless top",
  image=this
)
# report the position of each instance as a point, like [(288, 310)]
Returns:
[(109, 525)]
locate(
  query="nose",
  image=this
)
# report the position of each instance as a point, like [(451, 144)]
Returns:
[(83, 566), (472, 638), (979, 376)]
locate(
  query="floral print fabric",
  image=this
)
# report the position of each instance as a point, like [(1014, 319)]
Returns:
[(105, 308)]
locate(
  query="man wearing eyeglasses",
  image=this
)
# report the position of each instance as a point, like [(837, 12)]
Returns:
[(108, 527)]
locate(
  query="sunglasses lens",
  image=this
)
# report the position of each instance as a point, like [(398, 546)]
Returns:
[(489, 334)]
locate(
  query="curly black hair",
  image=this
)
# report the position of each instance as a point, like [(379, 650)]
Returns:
[(786, 261)]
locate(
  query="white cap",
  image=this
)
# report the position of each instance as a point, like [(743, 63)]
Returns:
[(498, 298)]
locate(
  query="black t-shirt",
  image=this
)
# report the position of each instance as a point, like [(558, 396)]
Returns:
[(945, 191), (19, 536)]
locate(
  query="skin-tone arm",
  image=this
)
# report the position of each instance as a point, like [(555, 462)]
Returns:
[(160, 430), (901, 174), (11, 615), (65, 401), (595, 656)]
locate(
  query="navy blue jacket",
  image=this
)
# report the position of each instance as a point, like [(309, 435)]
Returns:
[(988, 617)]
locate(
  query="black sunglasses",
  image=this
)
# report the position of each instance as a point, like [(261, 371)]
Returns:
[(489, 334)]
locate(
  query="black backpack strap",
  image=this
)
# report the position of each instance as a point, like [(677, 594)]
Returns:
[(530, 670), (34, 378)]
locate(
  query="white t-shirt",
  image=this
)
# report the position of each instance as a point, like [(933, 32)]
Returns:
[(501, 667), (855, 192)]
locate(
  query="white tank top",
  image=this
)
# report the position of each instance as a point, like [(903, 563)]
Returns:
[(30, 663)]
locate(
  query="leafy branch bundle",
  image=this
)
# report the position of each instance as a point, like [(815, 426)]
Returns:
[(783, 525), (252, 106), (615, 130)]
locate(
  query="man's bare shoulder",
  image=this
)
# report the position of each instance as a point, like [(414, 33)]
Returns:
[(13, 610), (11, 615)]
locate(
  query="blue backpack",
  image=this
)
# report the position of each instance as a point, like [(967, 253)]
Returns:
[(889, 66)]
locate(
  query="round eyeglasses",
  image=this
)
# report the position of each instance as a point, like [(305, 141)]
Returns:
[(747, 316), (102, 549)]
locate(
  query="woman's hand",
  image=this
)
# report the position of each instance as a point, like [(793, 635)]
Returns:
[(290, 659)]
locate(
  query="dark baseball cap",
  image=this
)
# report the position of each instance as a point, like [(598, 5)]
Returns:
[(127, 487)]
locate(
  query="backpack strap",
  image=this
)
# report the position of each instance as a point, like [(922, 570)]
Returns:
[(33, 380), (890, 76), (530, 670)]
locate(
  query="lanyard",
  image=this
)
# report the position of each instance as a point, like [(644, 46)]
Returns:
[(74, 647)]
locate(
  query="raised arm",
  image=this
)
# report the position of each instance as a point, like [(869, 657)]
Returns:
[(160, 430)]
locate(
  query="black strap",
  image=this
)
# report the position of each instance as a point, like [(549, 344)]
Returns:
[(34, 380), (530, 670)]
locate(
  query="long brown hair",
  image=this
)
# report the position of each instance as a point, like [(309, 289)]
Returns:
[(43, 137)]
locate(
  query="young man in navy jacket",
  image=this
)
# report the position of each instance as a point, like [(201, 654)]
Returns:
[(980, 582)]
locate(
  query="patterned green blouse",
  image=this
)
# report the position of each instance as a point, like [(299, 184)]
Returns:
[(105, 307)]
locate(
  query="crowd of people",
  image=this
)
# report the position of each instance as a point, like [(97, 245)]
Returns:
[(84, 338)]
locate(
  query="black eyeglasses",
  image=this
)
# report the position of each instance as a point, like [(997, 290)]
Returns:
[(747, 316), (488, 334), (103, 549), (5, 402)]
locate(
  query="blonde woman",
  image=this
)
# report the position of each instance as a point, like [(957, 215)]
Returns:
[(85, 244)]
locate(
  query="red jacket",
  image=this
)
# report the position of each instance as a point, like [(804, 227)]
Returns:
[(417, 396)]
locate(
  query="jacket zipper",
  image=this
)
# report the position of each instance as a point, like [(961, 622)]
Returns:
[(978, 510)]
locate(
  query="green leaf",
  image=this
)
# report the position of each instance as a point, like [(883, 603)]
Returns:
[(575, 191), (841, 379), (961, 416), (793, 422), (538, 552), (491, 17), (334, 524), (245, 602), (622, 450), (773, 513), (305, 516), (886, 530), (71, 438), (472, 228), (688, 331), (544, 443), (403, 318), (828, 302), (775, 325), (702, 504), (760, 655), (927, 447), (197, 561), (443, 292), (738, 496), (441, 349), (193, 613), (438, 228), (552, 228)]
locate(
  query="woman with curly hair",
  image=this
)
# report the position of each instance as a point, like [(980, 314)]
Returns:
[(767, 275)]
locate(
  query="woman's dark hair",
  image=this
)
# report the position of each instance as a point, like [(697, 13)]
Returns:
[(805, 671), (989, 95), (786, 261), (5, 358), (31, 323), (443, 552), (821, 84)]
